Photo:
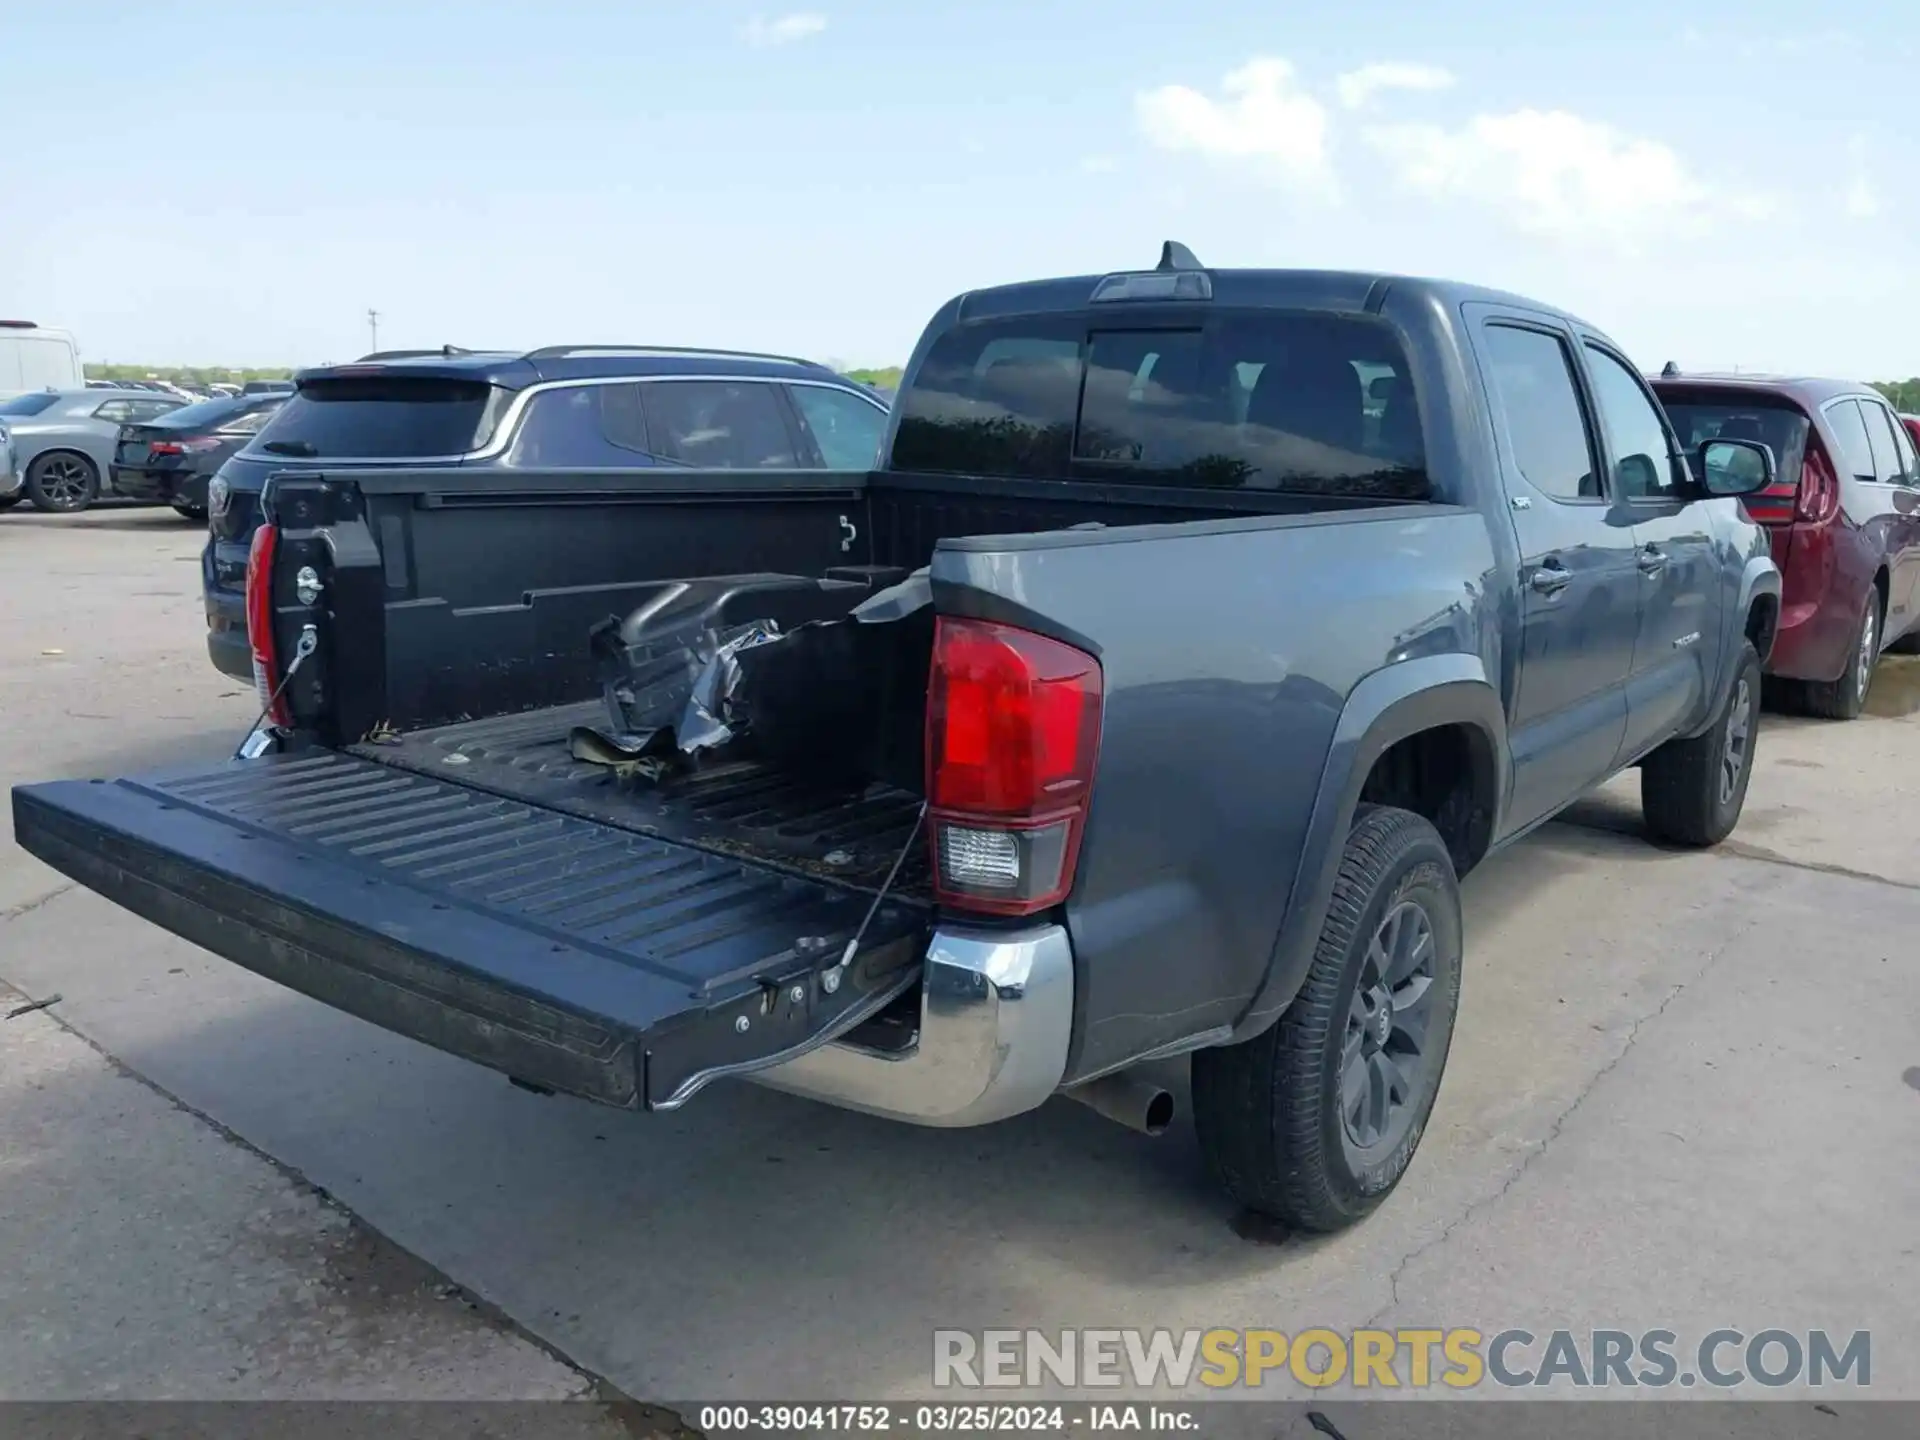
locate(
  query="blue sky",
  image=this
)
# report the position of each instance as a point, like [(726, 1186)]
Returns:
[(1717, 184)]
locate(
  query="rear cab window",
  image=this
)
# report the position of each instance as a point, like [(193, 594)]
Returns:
[(1284, 401), (384, 417), (1702, 414)]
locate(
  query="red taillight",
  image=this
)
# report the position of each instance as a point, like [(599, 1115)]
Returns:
[(266, 667), (189, 446), (1013, 727), (1819, 497)]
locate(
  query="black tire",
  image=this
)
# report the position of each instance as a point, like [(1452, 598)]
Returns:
[(1907, 644), (1842, 699), (62, 482), (7, 502), (1273, 1113), (191, 512), (1692, 790)]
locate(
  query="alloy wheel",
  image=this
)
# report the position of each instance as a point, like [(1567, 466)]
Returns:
[(1739, 742), (1385, 1053)]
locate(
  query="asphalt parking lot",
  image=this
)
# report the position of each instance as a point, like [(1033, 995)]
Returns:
[(1684, 1092)]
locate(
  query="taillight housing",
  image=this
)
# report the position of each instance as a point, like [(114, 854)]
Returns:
[(1819, 497), (266, 666), (192, 445), (1013, 731)]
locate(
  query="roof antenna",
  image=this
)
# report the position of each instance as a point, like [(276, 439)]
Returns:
[(1175, 256), (1669, 370)]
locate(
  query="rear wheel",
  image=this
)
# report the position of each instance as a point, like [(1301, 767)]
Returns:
[(1692, 790), (1315, 1120), (62, 483), (191, 512), (1842, 699)]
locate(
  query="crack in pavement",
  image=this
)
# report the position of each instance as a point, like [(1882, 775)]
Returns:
[(1485, 1202), (1741, 850), (14, 912)]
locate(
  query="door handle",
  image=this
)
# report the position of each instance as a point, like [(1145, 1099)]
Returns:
[(1652, 560), (1549, 579)]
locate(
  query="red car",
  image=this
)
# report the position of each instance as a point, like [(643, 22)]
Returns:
[(1912, 422), (1843, 515)]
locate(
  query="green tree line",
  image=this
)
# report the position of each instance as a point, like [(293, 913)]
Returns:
[(187, 374), (1903, 395)]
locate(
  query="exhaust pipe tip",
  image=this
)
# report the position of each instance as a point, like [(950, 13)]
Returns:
[(1138, 1104)]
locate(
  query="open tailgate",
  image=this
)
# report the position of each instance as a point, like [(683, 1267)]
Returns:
[(571, 955)]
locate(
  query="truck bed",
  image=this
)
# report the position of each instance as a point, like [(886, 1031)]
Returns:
[(743, 809)]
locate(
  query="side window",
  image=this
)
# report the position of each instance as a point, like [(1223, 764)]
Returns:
[(574, 425), (152, 409), (119, 412), (1856, 451), (1636, 435), (1909, 461), (1889, 466), (248, 422), (846, 429), (1533, 382), (719, 424)]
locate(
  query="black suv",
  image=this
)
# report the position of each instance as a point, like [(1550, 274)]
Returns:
[(565, 407)]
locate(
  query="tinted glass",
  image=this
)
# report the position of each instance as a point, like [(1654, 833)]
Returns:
[(582, 426), (846, 429), (247, 422), (1856, 451), (1636, 435), (21, 406), (1778, 426), (993, 399), (384, 418), (1909, 462), (118, 411), (1888, 467), (719, 425), (1533, 382), (1300, 403), (204, 415)]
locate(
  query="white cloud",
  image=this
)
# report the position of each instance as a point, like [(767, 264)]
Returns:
[(1357, 87), (1261, 117), (1552, 173), (1862, 199), (764, 34)]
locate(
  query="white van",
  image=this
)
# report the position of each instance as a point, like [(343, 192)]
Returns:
[(33, 357)]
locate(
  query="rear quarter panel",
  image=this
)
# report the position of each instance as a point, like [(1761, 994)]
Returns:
[(1229, 651)]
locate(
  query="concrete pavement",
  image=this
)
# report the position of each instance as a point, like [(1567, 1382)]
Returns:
[(1676, 1094)]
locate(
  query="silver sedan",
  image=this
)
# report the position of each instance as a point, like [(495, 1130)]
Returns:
[(56, 446)]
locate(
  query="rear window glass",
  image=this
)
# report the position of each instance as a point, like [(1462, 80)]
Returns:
[(21, 406), (203, 414), (384, 418), (1774, 423), (1278, 401)]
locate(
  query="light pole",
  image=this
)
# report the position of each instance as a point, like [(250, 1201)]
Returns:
[(373, 328)]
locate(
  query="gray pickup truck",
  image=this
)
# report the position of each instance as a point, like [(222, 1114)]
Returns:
[(1202, 628)]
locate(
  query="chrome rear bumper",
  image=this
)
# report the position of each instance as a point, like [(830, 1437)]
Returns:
[(996, 1018)]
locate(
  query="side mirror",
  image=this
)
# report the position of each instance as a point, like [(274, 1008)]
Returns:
[(1735, 467)]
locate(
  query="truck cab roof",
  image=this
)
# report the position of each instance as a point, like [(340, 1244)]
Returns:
[(1351, 291)]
